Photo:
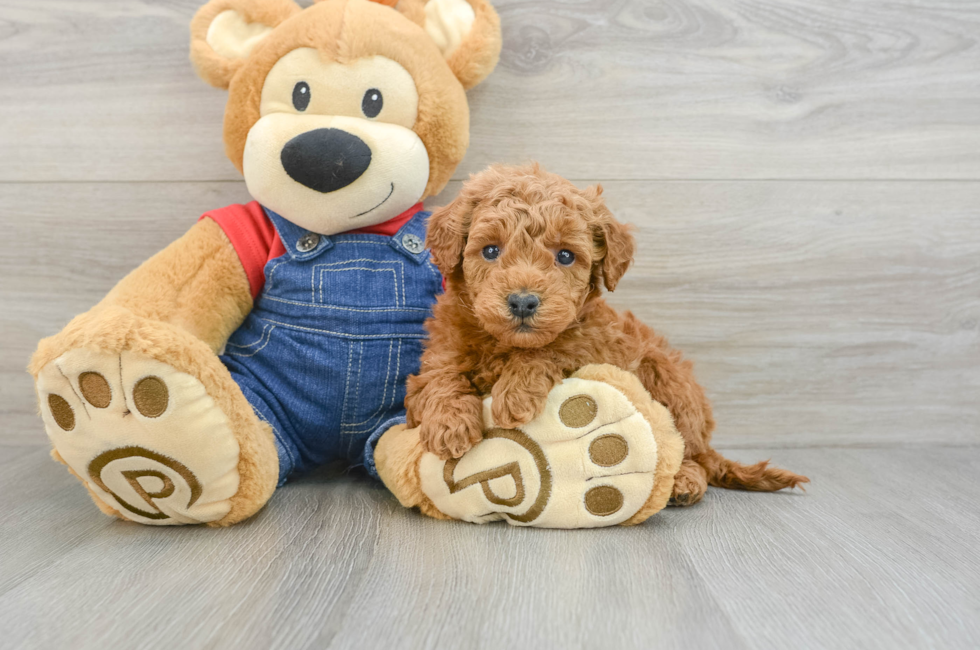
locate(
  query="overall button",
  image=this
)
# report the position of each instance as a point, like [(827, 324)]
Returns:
[(308, 242), (413, 243)]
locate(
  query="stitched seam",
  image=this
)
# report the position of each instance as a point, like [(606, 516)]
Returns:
[(72, 386), (361, 268), (384, 396), (345, 335), (370, 311), (268, 279), (360, 365), (266, 335), (281, 439), (378, 414), (261, 337), (313, 279), (343, 412), (363, 259), (432, 267), (391, 263), (402, 278)]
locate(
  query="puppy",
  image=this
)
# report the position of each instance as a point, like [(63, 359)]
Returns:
[(524, 253)]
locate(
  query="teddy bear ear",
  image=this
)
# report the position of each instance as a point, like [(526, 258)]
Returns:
[(467, 32), (224, 33)]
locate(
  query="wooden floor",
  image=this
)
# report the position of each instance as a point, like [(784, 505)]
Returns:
[(804, 176), (880, 552)]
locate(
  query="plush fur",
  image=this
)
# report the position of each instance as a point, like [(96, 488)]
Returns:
[(180, 306), (670, 448), (360, 29), (399, 451), (397, 458), (478, 347), (214, 68), (114, 329)]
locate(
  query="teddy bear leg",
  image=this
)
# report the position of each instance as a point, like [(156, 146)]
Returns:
[(153, 443), (602, 453), (396, 458)]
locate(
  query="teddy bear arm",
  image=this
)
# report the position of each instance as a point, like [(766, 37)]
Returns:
[(197, 283)]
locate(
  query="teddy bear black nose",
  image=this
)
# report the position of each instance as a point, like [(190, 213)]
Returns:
[(523, 305), (325, 160)]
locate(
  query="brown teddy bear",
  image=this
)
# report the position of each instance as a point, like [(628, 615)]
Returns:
[(278, 335)]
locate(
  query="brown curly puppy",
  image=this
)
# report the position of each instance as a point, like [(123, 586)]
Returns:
[(523, 252)]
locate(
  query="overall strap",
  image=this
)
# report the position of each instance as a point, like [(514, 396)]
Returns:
[(410, 238), (300, 244)]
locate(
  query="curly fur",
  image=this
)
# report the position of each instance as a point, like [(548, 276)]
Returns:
[(477, 347)]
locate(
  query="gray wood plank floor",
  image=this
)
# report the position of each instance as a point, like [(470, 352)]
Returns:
[(805, 181), (880, 552)]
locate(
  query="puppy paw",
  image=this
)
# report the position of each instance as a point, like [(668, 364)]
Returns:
[(452, 429), (690, 484), (513, 407)]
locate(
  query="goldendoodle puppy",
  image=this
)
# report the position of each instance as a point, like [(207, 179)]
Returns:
[(523, 253)]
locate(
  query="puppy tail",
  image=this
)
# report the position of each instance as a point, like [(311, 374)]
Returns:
[(760, 477)]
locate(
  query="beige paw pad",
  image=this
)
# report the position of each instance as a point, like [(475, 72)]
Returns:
[(147, 439), (588, 460)]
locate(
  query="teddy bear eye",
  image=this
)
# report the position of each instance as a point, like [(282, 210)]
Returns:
[(372, 102), (491, 252), (565, 257), (301, 96)]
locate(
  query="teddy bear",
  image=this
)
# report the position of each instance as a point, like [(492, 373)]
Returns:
[(277, 336)]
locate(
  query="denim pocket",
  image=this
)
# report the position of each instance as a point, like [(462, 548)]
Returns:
[(372, 369), (361, 284), (375, 390)]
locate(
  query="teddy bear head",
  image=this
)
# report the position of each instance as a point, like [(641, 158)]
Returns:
[(346, 113)]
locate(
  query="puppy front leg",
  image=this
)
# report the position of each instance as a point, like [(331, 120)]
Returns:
[(522, 391), (447, 410)]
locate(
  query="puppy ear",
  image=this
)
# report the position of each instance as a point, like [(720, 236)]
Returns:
[(467, 32), (447, 231), (614, 241), (224, 33)]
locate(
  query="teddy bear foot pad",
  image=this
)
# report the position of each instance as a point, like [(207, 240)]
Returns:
[(590, 460), (146, 439)]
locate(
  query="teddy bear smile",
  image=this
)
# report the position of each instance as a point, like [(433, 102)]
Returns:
[(385, 200)]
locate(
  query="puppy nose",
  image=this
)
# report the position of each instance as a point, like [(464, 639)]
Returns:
[(325, 160), (523, 305)]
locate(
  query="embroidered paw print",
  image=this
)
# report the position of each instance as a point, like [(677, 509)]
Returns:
[(148, 440), (589, 460)]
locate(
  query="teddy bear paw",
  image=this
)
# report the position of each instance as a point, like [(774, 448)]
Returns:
[(589, 460), (146, 439)]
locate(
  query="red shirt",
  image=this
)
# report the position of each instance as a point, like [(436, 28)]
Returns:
[(256, 241)]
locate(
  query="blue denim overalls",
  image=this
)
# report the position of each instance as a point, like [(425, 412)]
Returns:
[(324, 354)]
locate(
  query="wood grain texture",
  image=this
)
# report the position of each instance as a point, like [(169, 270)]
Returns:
[(825, 306), (869, 557), (611, 89), (843, 313)]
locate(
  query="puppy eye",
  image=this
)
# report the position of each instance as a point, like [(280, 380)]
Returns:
[(490, 253), (565, 257), (372, 102), (301, 96)]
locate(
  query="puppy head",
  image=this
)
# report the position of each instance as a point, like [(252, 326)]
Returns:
[(527, 250)]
